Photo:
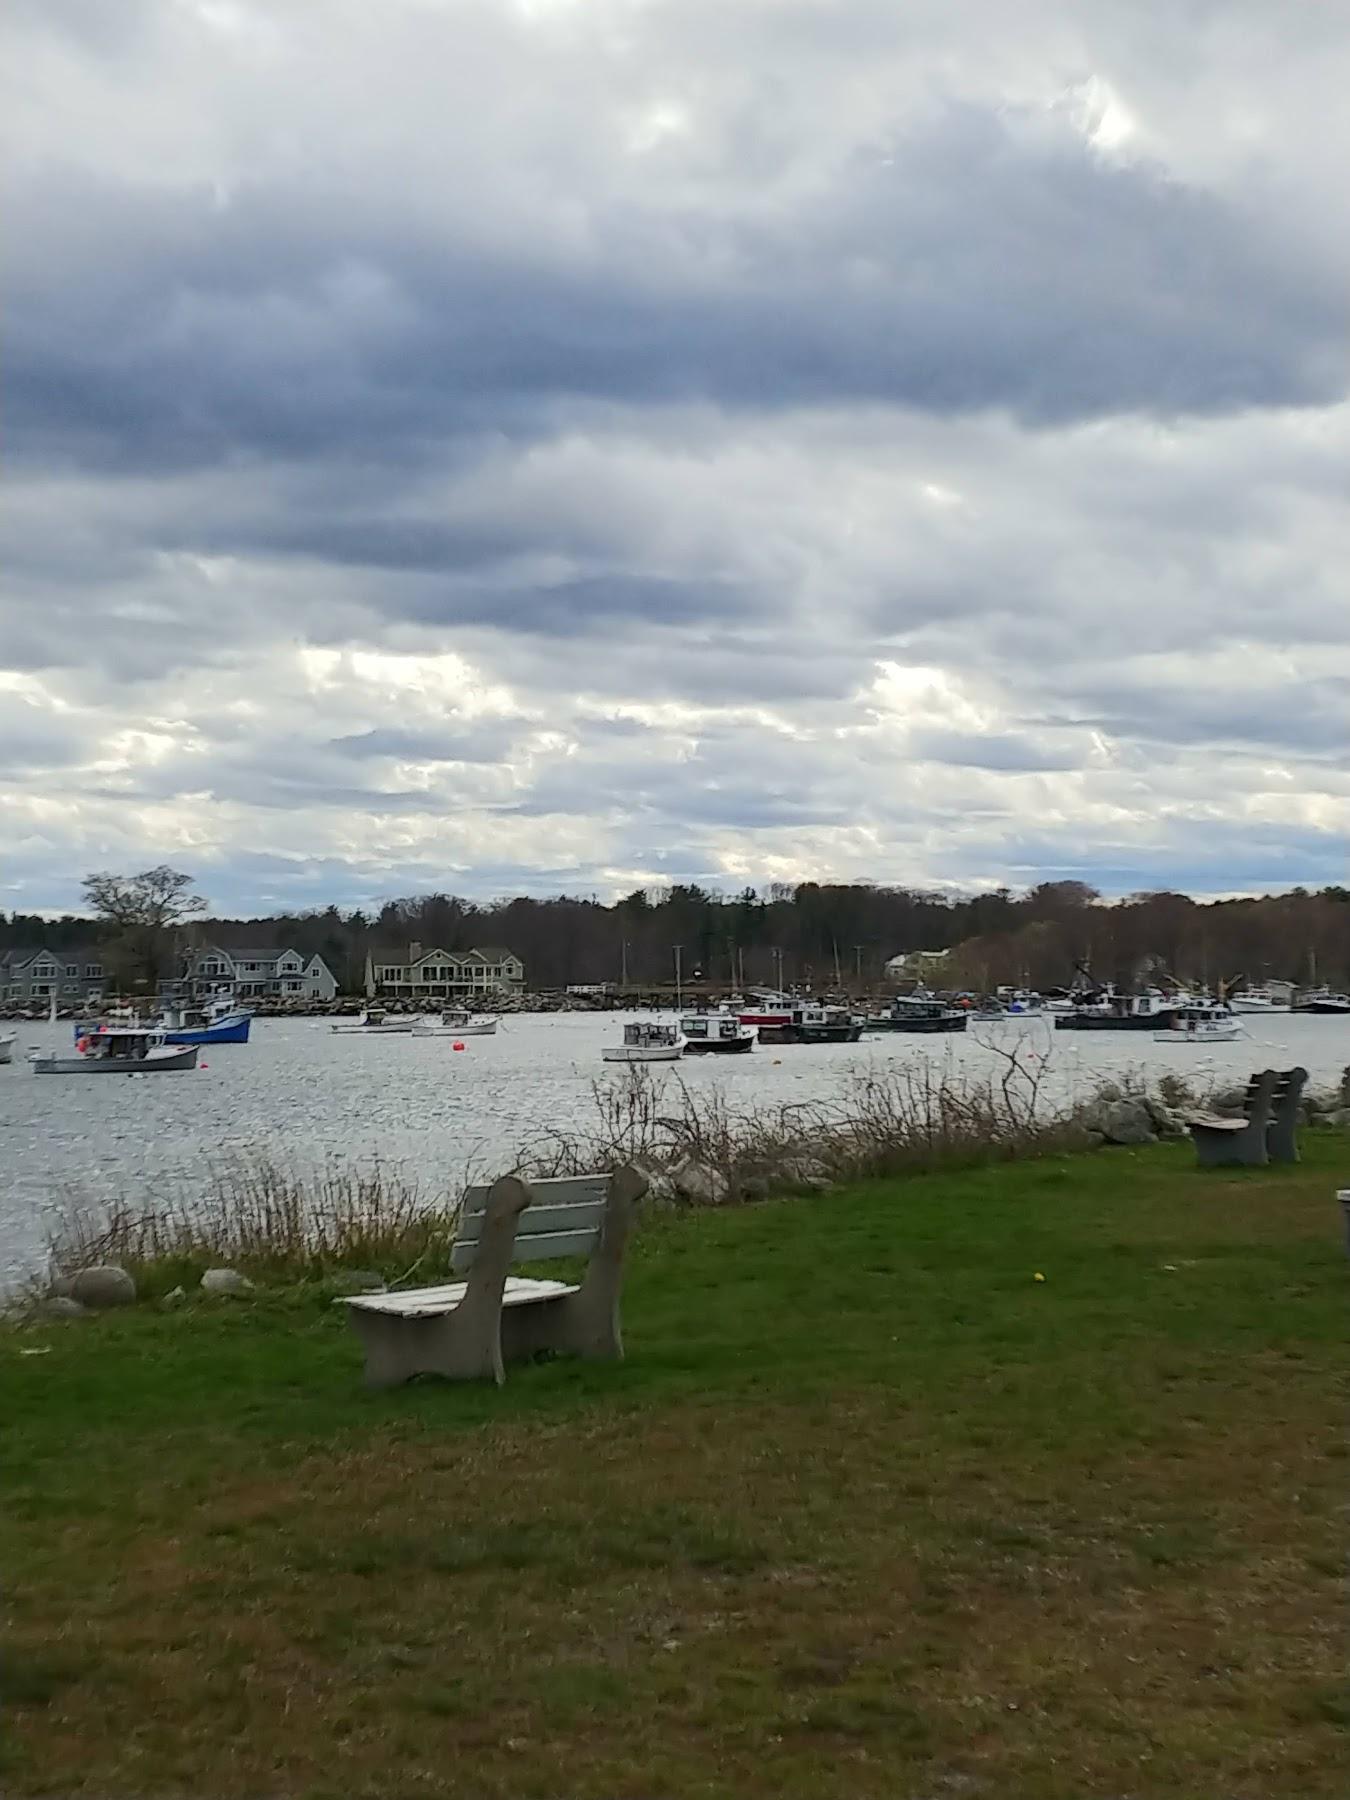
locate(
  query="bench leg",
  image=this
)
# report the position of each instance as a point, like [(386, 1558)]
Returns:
[(463, 1345), (588, 1321)]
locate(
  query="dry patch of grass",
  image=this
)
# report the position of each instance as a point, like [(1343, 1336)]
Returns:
[(867, 1513)]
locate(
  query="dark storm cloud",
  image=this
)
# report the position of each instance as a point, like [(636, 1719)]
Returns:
[(971, 265)]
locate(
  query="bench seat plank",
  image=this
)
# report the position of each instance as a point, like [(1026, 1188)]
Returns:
[(429, 1303), (553, 1190)]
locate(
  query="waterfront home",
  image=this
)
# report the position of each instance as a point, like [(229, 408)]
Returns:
[(35, 975), (916, 965), (255, 973), (415, 973)]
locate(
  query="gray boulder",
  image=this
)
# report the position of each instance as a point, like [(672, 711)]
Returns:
[(661, 1189), (357, 1281), (1126, 1122), (174, 1297), (105, 1285), (1166, 1120), (61, 1306), (1341, 1117), (699, 1184), (226, 1281)]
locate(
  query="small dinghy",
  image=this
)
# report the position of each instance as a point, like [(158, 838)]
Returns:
[(646, 1043), (457, 1025), (118, 1050), (7, 1048)]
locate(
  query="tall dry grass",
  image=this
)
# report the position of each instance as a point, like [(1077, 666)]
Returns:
[(271, 1220)]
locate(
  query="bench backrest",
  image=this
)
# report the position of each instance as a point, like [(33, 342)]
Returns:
[(563, 1219), (1285, 1079)]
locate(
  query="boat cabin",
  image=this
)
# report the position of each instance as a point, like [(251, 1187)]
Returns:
[(645, 1035)]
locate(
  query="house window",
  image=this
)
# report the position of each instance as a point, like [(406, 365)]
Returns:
[(93, 971), (72, 968)]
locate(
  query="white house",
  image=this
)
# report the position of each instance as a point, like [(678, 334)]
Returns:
[(916, 965), (417, 974), (255, 974)]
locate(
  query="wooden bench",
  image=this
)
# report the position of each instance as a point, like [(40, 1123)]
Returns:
[(1267, 1130), (471, 1329)]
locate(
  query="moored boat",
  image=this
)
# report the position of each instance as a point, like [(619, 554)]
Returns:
[(7, 1047), (375, 1024), (1323, 1001), (118, 1050), (768, 1010), (717, 1033), (217, 1021), (646, 1041), (809, 1023), (456, 1024), (1259, 1000), (1106, 1010), (920, 1012), (1201, 1024)]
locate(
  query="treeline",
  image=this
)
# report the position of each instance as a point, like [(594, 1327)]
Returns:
[(812, 933)]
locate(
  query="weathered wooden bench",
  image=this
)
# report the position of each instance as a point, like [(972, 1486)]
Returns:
[(471, 1329), (1267, 1130)]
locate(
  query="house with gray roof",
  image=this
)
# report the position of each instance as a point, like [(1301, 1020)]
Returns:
[(442, 976), (257, 973), (32, 976)]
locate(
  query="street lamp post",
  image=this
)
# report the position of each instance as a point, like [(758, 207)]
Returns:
[(679, 952)]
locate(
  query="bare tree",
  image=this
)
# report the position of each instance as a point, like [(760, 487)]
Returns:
[(145, 912)]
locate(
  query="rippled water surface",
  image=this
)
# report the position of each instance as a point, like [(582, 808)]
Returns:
[(303, 1094)]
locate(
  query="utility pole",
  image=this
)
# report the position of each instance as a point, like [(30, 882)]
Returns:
[(857, 963), (678, 951), (778, 966), (623, 964), (838, 978)]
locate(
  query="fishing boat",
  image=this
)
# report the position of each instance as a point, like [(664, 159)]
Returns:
[(646, 1042), (920, 1012), (7, 1048), (809, 1023), (456, 1025), (1106, 1010), (216, 1021), (118, 1050), (1322, 1000), (768, 1010), (1259, 1000), (717, 1032), (1201, 1024), (375, 1024)]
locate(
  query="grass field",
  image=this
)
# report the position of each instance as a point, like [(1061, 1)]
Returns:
[(869, 1511)]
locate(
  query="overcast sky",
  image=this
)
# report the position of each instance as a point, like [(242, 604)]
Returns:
[(575, 444)]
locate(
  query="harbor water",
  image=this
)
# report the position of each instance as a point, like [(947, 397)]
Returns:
[(303, 1096)]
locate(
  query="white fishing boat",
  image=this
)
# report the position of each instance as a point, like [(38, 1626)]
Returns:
[(1260, 1000), (647, 1042), (717, 1032), (1198, 1024), (118, 1050), (457, 1025), (7, 1048), (376, 1024)]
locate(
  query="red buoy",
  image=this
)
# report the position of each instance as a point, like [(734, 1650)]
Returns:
[(456, 1045)]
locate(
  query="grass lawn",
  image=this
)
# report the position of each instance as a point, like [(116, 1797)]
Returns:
[(869, 1511)]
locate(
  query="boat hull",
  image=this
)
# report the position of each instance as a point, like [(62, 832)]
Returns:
[(455, 1031), (646, 1053), (922, 1027), (374, 1030), (167, 1061), (1326, 1009), (1223, 1034), (1113, 1021), (6, 1049), (233, 1030), (732, 1047), (810, 1034)]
